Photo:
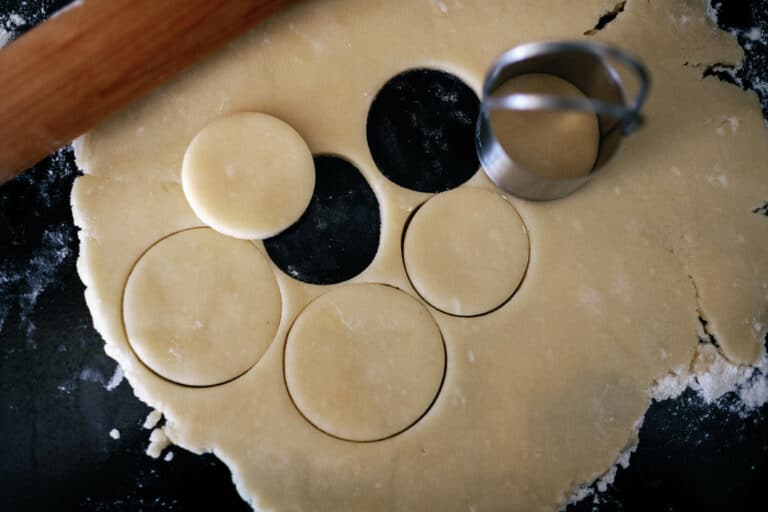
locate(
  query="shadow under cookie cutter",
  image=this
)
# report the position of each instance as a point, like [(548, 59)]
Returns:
[(588, 66)]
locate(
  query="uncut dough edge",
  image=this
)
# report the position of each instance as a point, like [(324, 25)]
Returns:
[(624, 288)]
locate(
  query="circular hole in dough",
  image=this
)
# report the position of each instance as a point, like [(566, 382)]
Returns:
[(248, 175), (421, 130), (556, 144), (201, 308), (466, 251), (364, 362), (338, 235)]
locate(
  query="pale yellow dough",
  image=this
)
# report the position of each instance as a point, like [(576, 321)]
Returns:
[(552, 143), (237, 169), (466, 251), (538, 396), (364, 362), (201, 308)]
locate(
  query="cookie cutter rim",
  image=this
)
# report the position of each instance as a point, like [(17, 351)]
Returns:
[(610, 106)]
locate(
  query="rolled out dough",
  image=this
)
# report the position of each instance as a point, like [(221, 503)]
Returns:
[(543, 393), (466, 251), (236, 169)]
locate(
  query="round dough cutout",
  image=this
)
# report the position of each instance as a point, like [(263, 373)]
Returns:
[(364, 362), (201, 308), (248, 175), (466, 251), (556, 144)]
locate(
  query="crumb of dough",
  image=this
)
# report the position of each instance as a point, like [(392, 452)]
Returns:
[(153, 418), (114, 434), (158, 442)]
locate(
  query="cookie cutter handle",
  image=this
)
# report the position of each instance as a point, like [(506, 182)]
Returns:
[(627, 115)]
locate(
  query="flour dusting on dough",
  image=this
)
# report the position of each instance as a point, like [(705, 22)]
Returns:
[(713, 378), (717, 382), (605, 480)]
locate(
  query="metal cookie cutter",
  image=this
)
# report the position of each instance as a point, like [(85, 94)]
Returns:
[(588, 66)]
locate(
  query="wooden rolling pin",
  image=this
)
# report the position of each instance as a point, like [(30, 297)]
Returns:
[(94, 57)]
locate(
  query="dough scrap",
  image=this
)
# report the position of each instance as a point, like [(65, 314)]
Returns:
[(201, 308), (555, 144), (235, 170), (466, 251), (364, 362), (542, 394)]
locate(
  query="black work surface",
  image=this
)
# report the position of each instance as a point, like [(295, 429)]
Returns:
[(56, 413)]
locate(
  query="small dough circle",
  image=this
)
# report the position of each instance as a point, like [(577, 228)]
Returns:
[(364, 362), (201, 308), (248, 175), (555, 144), (466, 251)]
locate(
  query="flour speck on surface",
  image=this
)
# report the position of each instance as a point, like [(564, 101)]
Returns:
[(16, 20), (88, 374), (5, 37), (115, 379), (33, 253), (91, 375), (30, 282), (114, 434), (8, 27)]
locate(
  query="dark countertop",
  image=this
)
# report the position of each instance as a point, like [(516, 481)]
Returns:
[(55, 447)]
